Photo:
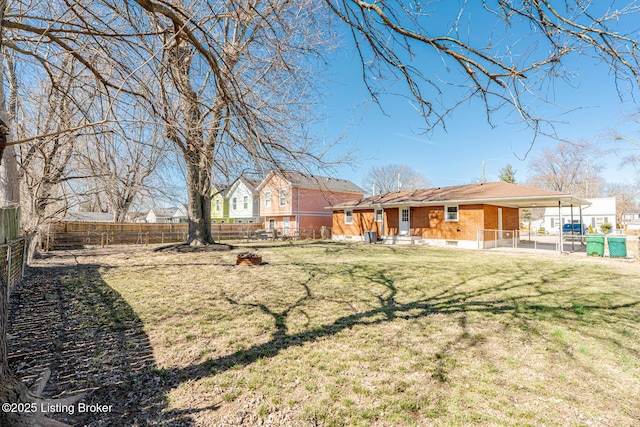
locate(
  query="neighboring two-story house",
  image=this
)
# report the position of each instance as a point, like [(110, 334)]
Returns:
[(220, 204), (244, 201), (293, 201)]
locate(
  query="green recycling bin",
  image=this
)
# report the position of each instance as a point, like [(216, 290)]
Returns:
[(617, 246), (595, 244)]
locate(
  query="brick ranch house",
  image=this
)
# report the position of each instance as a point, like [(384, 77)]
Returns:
[(444, 216)]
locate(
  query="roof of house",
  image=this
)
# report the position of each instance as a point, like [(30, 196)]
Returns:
[(490, 192), (298, 179), (251, 184), (89, 216), (221, 189), (181, 212), (597, 206), (163, 212)]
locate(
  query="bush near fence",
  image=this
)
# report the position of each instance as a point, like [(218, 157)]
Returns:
[(66, 234)]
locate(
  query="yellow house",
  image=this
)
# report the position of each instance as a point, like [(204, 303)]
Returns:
[(220, 204)]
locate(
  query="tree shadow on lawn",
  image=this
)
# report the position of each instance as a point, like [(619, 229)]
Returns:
[(452, 300), (67, 319)]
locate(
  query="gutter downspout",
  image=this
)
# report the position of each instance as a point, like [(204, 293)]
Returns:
[(382, 223), (298, 211)]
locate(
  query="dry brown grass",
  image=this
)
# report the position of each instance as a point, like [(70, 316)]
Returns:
[(333, 334)]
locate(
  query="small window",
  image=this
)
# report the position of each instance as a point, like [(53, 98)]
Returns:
[(245, 202), (378, 215), (267, 199), (239, 221), (283, 197), (217, 205), (233, 203), (451, 213), (348, 217)]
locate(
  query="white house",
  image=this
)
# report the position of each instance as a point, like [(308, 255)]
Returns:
[(244, 201), (89, 217), (600, 211), (631, 219), (160, 215), (181, 214)]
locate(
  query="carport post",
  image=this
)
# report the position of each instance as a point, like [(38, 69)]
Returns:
[(560, 225), (582, 230), (572, 236)]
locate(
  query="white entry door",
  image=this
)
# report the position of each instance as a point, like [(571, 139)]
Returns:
[(404, 221), (286, 222)]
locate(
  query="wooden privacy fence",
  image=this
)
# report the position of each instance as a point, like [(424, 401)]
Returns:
[(9, 224), (13, 259), (68, 234)]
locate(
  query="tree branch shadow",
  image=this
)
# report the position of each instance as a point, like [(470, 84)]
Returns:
[(68, 318)]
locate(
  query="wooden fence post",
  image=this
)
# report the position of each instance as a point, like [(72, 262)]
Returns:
[(9, 256), (25, 255)]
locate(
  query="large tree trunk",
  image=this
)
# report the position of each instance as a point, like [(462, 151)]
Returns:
[(199, 203), (197, 154)]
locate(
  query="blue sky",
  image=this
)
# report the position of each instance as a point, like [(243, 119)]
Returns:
[(455, 156)]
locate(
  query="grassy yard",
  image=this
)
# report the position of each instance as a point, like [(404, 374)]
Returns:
[(333, 334)]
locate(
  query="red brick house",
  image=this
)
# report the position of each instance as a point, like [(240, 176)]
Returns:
[(443, 216), (293, 201)]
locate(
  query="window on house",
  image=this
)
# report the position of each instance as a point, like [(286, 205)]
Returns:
[(239, 221), (283, 197), (451, 213), (378, 215), (267, 199), (233, 203), (245, 202), (348, 217), (217, 205)]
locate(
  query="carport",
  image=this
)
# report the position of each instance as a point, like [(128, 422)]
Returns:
[(554, 243)]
